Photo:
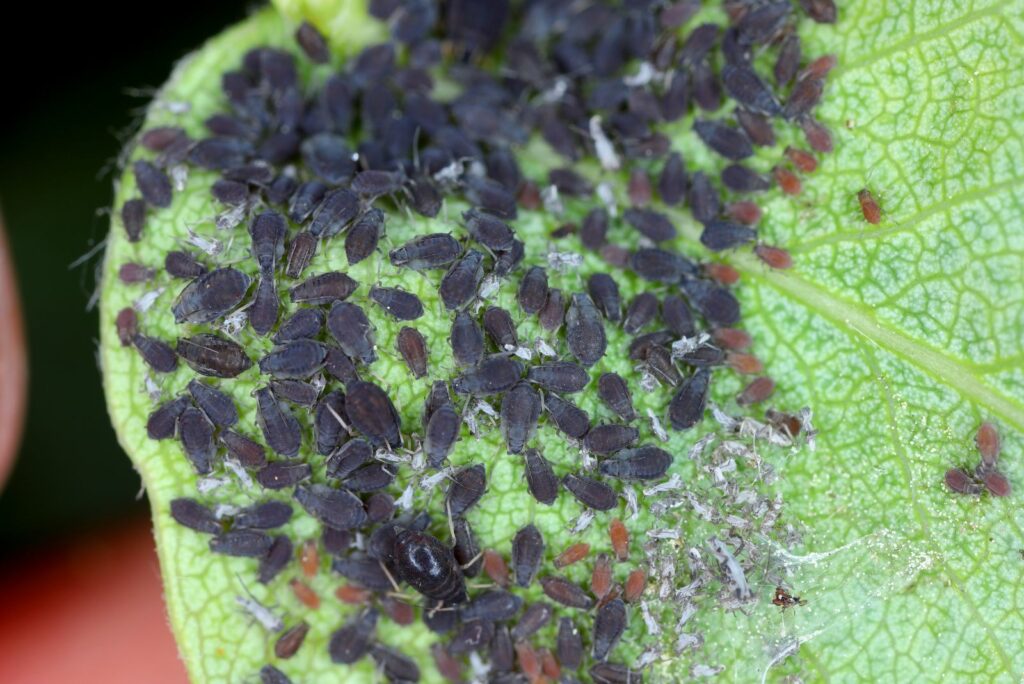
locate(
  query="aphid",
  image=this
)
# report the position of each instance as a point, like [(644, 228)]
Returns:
[(740, 178), (672, 182), (609, 624), (329, 157), (131, 273), (324, 288), (718, 306), (585, 333), (366, 572), (340, 366), (489, 231), (757, 391), (747, 88), (156, 353), (353, 595), (821, 11), (565, 592), (721, 273), (802, 160), (304, 593), (472, 635), (160, 138), (570, 419), (371, 412), (249, 453), (465, 548), (379, 507), (639, 188), (352, 641), (641, 463), (721, 235), (529, 662), (195, 516), (332, 213), (590, 492), (502, 653), (210, 296), (744, 211), (564, 230), (280, 428), (466, 339), (702, 355), (520, 411), (264, 309), (295, 391), (650, 223), (276, 558), (635, 584), (263, 516), (726, 141), (783, 599), (704, 200), (309, 559), (806, 95), (349, 325), (492, 606), (298, 359), (495, 567), (757, 127), (651, 263), (533, 290), (996, 483), (459, 284), (336, 542), (605, 293), (527, 552), (818, 68), (614, 673), (988, 443), (242, 543), (300, 252), (601, 576), (429, 567), (127, 324), (362, 238), (687, 406), (495, 374), (535, 617), (787, 181), (640, 312), (540, 478), (609, 438), (441, 431), (619, 536), (413, 348), (788, 60), (371, 478), (133, 217), (732, 338), (816, 134), (570, 183), (374, 182), (466, 488), (436, 250), (640, 348), (491, 196), (327, 422), (289, 643), (153, 183), (614, 392), (508, 260), (182, 264), (529, 196), (559, 376), (594, 229), (196, 434), (282, 474), (869, 207), (553, 313), (774, 257), (402, 305), (337, 508), (271, 675), (267, 231), (220, 152), (500, 327)]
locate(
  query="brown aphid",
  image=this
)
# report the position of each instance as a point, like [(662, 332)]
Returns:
[(960, 482), (601, 577), (495, 567), (614, 392), (818, 68), (774, 257), (529, 663), (816, 134), (131, 273), (639, 188), (996, 483), (157, 354), (309, 558), (619, 536), (400, 612), (527, 553), (785, 422), (823, 12), (636, 582), (802, 160), (573, 554), (748, 364), (549, 665), (787, 180), (304, 593), (352, 594), (447, 665), (529, 196), (757, 391), (721, 273), (289, 642), (783, 599), (732, 338), (413, 348), (869, 207), (127, 324), (988, 443), (566, 593)]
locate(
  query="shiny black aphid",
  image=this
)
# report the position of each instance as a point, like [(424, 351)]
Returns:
[(614, 392), (210, 296), (585, 330), (436, 250), (371, 412), (404, 306), (520, 411), (527, 553), (466, 488), (349, 325), (494, 375), (280, 428), (337, 508), (413, 347), (641, 463), (540, 477), (324, 288), (559, 376), (590, 493), (687, 406), (429, 567)]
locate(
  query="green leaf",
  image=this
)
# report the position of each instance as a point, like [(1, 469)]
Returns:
[(901, 337)]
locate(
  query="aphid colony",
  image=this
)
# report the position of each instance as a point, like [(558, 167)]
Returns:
[(300, 169), (985, 475)]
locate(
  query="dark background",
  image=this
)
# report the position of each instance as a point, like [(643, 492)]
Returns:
[(60, 131)]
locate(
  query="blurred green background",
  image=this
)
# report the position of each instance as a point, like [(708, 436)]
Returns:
[(60, 132)]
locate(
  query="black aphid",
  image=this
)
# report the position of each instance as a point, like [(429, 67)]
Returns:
[(436, 250), (371, 478), (707, 91), (821, 11), (788, 60), (472, 635), (609, 624), (569, 645), (553, 314), (327, 422), (459, 284), (527, 553), (278, 556), (196, 434), (379, 507), (210, 296), (720, 235), (364, 235), (396, 667), (590, 492), (442, 429), (502, 653), (263, 516), (565, 592), (540, 477), (298, 359), (220, 153), (219, 407), (153, 183), (570, 183), (352, 641), (324, 288), (404, 306), (605, 292), (699, 43), (466, 488), (672, 182), (687, 406), (305, 200), (520, 411), (346, 460), (559, 376), (375, 182), (267, 231), (248, 452), (492, 197), (494, 375), (659, 265), (489, 231), (747, 88), (641, 463), (282, 474), (500, 327), (718, 306), (615, 673), (594, 229), (641, 346), (757, 127), (337, 508), (289, 643), (650, 223), (533, 290), (182, 264), (300, 252), (265, 305), (127, 324), (413, 348), (349, 325), (436, 398), (242, 543), (366, 572), (467, 340), (726, 141), (569, 418), (337, 209), (585, 330), (280, 428), (494, 606), (535, 617), (156, 353), (609, 438), (614, 392), (509, 259), (661, 365), (340, 366), (804, 97), (330, 158), (740, 178), (195, 516), (424, 197), (640, 312), (704, 200), (372, 413), (677, 317), (429, 567), (704, 355), (303, 324), (465, 548)]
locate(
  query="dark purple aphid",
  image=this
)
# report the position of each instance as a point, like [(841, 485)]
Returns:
[(210, 296), (366, 572), (436, 398), (289, 643), (303, 324), (740, 178), (349, 458), (472, 635), (277, 557), (131, 273), (404, 306), (459, 284), (305, 200), (379, 507), (436, 250), (241, 543), (699, 43), (298, 359), (559, 376), (127, 323), (249, 453), (614, 673), (220, 153), (604, 291), (494, 375), (569, 645), (757, 127), (520, 411), (652, 224), (313, 44), (805, 96), (160, 138), (641, 346), (466, 488), (340, 366), (156, 353), (442, 429), (493, 606), (500, 327), (349, 325), (182, 264), (467, 340), (352, 641), (821, 11), (196, 434), (327, 422), (295, 391), (609, 438), (502, 653), (788, 61), (718, 306), (279, 426), (594, 229), (672, 182), (337, 508), (704, 355), (565, 592), (364, 235), (527, 553), (396, 667), (533, 290), (466, 549), (163, 421), (429, 567), (585, 330), (267, 231), (660, 364), (153, 183), (263, 516), (371, 412), (503, 168), (641, 463), (195, 516), (553, 314), (687, 406), (489, 231), (324, 288), (704, 200), (590, 492), (376, 182), (614, 392), (726, 141), (609, 624), (337, 209), (219, 407), (569, 418), (413, 348), (300, 252), (282, 474), (540, 477), (509, 259), (721, 235), (371, 478)]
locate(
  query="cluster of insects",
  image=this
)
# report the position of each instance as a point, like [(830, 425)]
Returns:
[(302, 169), (986, 475)]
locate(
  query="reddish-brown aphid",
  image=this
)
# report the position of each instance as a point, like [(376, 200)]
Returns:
[(987, 440), (757, 391), (131, 273), (869, 206), (529, 663), (350, 593), (400, 612), (817, 135), (496, 568), (722, 273), (573, 554), (127, 325), (635, 585), (732, 338), (612, 594), (787, 180), (549, 665), (774, 257), (309, 559), (961, 483), (448, 666), (639, 188), (304, 593), (783, 599), (529, 196), (818, 68), (748, 364), (802, 160), (786, 422), (620, 539), (601, 578), (744, 211), (996, 483)]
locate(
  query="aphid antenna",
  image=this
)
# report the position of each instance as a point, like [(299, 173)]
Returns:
[(471, 561), (387, 573)]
